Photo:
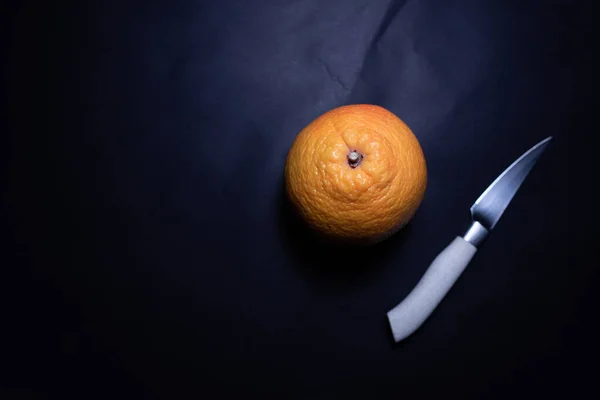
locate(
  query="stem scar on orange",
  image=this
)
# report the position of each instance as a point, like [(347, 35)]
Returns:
[(356, 174)]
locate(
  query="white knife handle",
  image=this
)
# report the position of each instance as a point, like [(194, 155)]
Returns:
[(408, 316)]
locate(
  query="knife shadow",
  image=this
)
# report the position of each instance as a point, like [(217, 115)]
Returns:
[(329, 262)]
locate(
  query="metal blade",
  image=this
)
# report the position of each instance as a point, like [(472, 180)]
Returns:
[(489, 207)]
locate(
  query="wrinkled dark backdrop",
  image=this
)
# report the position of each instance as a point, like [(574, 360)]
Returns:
[(148, 251)]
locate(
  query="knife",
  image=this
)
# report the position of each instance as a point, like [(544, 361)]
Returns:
[(445, 269)]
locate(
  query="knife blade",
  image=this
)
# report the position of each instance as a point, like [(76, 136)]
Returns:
[(446, 268)]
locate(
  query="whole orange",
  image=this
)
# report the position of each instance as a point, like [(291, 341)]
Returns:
[(356, 174)]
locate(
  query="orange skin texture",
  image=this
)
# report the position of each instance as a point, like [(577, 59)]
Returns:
[(365, 203)]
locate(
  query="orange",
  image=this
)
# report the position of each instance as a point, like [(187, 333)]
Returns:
[(356, 174)]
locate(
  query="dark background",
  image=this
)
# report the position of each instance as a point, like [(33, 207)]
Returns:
[(147, 250)]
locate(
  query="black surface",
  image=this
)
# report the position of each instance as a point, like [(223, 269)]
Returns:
[(149, 253)]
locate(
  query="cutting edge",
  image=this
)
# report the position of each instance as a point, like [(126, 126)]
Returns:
[(509, 168)]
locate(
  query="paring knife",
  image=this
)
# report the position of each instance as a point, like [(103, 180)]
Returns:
[(445, 269)]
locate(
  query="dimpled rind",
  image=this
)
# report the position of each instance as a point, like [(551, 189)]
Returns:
[(368, 202)]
